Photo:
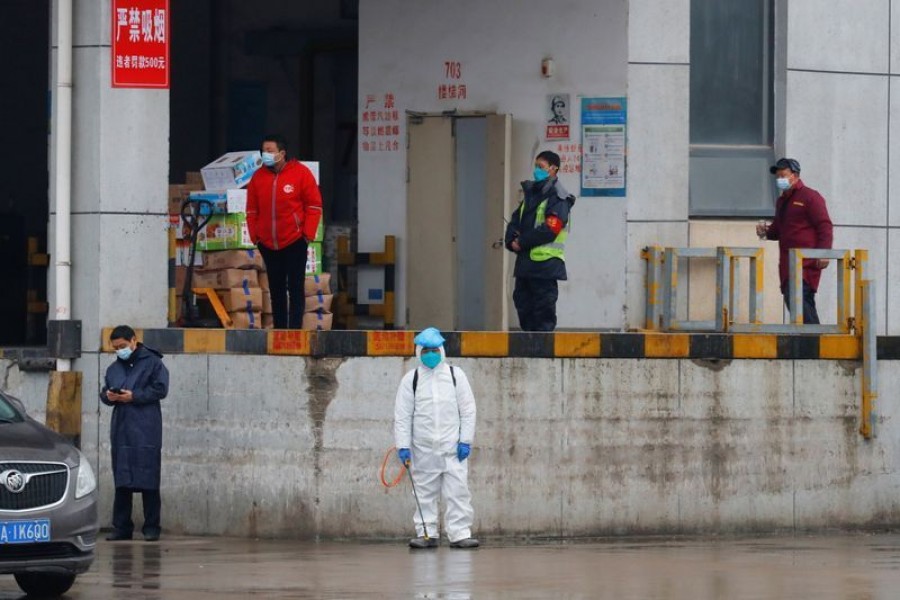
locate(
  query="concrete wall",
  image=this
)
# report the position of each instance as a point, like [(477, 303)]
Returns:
[(659, 108), (638, 48), (563, 447), (120, 165), (850, 122), (645, 47), (500, 46), (839, 111)]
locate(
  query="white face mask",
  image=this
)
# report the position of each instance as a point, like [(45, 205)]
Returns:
[(783, 183)]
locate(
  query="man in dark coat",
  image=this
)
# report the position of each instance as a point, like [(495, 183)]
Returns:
[(135, 383), (537, 233), (801, 221)]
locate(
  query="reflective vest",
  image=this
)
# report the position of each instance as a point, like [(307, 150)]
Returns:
[(556, 248)]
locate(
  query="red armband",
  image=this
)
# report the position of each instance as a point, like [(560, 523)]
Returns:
[(554, 224)]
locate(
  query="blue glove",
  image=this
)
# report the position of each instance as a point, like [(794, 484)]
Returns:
[(404, 455), (462, 451)]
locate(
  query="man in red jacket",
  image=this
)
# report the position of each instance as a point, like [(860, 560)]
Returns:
[(283, 211), (801, 221)]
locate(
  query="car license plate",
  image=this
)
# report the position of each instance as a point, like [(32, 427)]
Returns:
[(24, 532)]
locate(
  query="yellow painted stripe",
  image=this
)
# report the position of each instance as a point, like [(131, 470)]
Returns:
[(750, 345), (293, 342), (575, 345), (490, 343), (839, 346), (667, 345), (390, 343), (204, 341)]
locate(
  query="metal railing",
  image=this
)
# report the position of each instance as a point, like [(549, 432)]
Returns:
[(662, 286)]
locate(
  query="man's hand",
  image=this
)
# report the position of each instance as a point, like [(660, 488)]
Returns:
[(823, 264), (515, 246), (463, 451), (125, 397)]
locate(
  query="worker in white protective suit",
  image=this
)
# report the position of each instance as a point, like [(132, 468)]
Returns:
[(434, 425)]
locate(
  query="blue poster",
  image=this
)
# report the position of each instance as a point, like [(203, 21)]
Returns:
[(603, 149)]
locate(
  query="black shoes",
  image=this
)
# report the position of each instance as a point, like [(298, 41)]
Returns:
[(117, 536), (420, 543), (151, 537)]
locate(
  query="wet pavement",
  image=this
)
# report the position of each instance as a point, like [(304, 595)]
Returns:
[(857, 566)]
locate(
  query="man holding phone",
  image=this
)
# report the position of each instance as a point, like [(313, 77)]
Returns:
[(134, 385)]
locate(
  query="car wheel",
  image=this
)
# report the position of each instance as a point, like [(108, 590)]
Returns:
[(45, 584)]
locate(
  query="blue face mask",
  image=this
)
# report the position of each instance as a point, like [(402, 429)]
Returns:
[(431, 359), (124, 353), (268, 159), (783, 183), (540, 174)]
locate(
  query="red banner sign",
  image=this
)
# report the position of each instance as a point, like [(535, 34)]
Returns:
[(140, 43)]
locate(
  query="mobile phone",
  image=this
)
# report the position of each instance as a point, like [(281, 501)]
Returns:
[(115, 390)]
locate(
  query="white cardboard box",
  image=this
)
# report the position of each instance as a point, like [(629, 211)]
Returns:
[(312, 165), (231, 171), (225, 201)]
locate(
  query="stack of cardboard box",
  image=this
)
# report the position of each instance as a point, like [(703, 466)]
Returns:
[(224, 241), (234, 274), (178, 193), (317, 314)]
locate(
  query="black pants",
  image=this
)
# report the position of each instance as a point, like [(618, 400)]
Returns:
[(535, 301), (122, 511), (287, 270), (810, 314)]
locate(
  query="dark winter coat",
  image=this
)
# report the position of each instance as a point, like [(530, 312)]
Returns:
[(136, 427), (522, 227)]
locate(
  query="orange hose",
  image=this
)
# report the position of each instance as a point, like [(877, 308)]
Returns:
[(384, 463)]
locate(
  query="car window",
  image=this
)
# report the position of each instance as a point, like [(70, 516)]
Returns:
[(7, 412)]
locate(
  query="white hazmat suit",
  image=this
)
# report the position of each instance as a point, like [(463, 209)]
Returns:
[(431, 423)]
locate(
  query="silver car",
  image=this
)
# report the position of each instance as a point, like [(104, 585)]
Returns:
[(48, 505)]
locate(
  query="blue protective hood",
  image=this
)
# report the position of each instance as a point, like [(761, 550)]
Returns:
[(429, 338)]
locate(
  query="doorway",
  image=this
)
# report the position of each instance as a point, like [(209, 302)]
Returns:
[(458, 195)]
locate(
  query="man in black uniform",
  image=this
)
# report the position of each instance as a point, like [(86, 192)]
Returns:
[(537, 233)]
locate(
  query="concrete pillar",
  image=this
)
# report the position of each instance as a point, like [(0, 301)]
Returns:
[(120, 164)]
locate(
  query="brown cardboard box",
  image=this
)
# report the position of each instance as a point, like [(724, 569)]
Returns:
[(319, 303), (194, 178), (226, 278), (264, 280), (183, 254), (267, 302), (180, 275), (317, 284), (178, 193), (242, 299), (233, 259), (246, 320), (320, 321)]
